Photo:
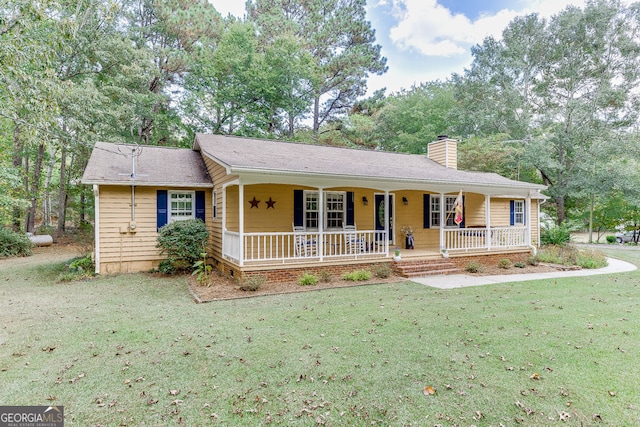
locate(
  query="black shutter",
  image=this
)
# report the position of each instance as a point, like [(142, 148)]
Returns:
[(200, 202), (426, 210), (350, 210), (298, 208), (161, 208)]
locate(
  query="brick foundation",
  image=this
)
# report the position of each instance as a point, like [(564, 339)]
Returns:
[(292, 274), (490, 259)]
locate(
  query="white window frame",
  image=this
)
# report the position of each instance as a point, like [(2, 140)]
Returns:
[(173, 216), (449, 202), (518, 212), (334, 215)]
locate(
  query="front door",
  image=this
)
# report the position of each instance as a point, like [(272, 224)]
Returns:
[(380, 214)]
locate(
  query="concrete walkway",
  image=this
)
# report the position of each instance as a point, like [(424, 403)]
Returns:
[(463, 280)]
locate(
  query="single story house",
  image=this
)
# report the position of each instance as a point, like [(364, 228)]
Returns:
[(280, 208)]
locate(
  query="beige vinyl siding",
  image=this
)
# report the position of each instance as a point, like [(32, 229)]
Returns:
[(123, 249), (474, 210), (500, 212), (219, 177), (535, 237), (444, 152)]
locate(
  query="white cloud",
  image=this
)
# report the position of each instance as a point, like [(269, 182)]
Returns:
[(428, 28), (225, 7)]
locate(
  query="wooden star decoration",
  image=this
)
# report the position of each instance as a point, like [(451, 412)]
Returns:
[(254, 202), (270, 203)]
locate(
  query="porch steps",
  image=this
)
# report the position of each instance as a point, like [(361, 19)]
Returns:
[(426, 267)]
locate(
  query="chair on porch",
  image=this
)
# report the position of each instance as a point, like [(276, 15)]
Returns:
[(352, 242), (303, 247)]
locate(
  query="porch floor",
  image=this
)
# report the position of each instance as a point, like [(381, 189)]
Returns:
[(406, 255)]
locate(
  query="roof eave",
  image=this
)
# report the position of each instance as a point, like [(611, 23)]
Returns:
[(148, 184), (384, 181)]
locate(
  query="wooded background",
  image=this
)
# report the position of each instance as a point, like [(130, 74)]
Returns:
[(552, 101)]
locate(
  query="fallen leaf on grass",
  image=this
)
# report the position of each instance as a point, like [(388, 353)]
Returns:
[(564, 416), (535, 376), (597, 417), (428, 391), (174, 392)]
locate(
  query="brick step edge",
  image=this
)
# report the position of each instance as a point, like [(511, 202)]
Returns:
[(425, 267), (432, 273)]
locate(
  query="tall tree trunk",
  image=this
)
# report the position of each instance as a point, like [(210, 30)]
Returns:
[(46, 200), (62, 193), (17, 163), (35, 188), (83, 208), (316, 114), (292, 122), (561, 212)]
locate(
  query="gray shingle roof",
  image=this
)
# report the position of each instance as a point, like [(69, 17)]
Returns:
[(157, 166), (246, 155)]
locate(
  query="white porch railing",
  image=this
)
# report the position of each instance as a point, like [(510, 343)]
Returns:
[(283, 246), (476, 238)]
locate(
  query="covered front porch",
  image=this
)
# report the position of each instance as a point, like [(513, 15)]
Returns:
[(322, 228)]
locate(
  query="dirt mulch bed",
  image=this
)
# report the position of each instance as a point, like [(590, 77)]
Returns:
[(225, 288)]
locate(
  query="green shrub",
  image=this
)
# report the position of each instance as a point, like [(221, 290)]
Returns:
[(357, 276), (505, 263), (252, 283), (566, 254), (202, 269), (558, 236), (382, 271), (14, 244), (325, 276), (166, 267), (183, 240), (474, 267), (82, 264), (519, 264), (588, 258), (77, 269), (533, 260), (611, 239), (308, 279)]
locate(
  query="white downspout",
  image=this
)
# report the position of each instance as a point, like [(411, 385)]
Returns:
[(320, 242), (527, 219), (442, 222), (386, 219), (241, 224), (487, 214), (96, 231)]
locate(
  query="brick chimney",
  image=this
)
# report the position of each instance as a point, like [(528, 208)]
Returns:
[(444, 151)]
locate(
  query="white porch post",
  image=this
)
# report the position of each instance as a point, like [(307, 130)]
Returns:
[(386, 220), (527, 219), (241, 223), (320, 241), (442, 222), (487, 216), (96, 259)]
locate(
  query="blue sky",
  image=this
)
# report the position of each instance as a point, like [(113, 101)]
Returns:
[(426, 40)]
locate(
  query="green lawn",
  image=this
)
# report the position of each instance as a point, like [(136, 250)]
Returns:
[(135, 349)]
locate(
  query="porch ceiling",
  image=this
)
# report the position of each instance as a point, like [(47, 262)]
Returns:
[(386, 184)]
